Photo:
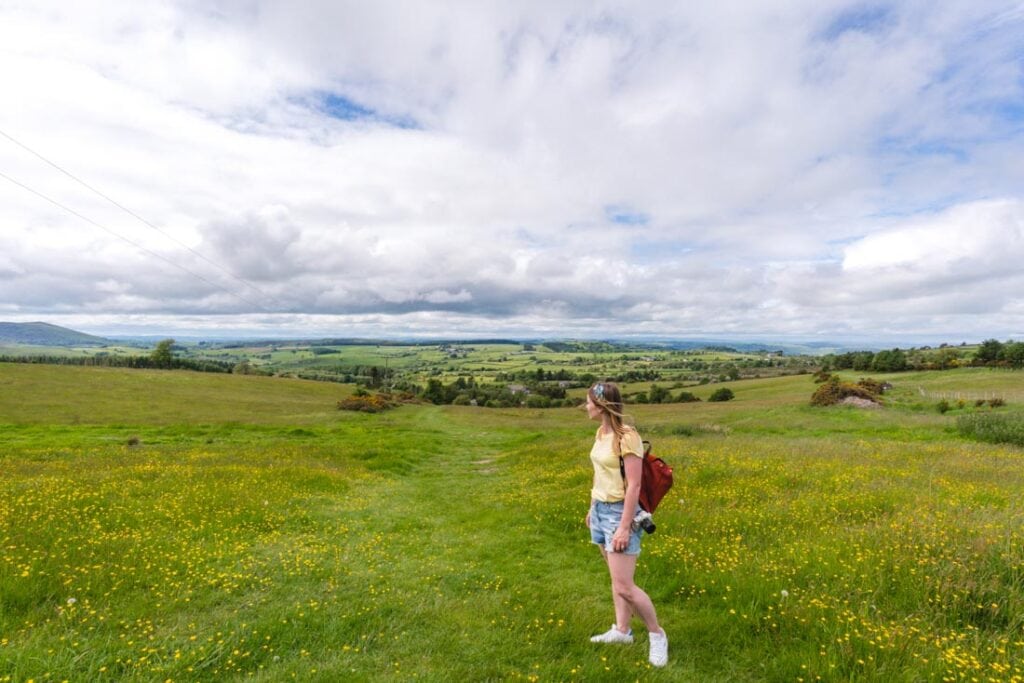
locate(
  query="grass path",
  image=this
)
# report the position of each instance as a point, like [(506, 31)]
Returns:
[(491, 590)]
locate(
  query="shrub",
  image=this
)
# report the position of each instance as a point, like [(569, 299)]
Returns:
[(834, 391), (659, 394), (243, 368), (996, 402), (367, 404), (871, 385), (686, 397), (723, 394), (942, 406), (538, 402), (822, 376)]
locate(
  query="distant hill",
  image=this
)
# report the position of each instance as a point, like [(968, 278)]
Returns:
[(45, 334)]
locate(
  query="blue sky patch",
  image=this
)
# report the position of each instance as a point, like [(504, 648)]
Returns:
[(343, 108), (923, 148), (625, 215), (938, 148), (346, 109), (1012, 111), (862, 19)]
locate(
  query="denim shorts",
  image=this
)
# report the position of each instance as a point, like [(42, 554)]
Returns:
[(604, 520)]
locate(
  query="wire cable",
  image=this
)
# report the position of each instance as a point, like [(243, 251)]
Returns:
[(131, 242), (133, 214)]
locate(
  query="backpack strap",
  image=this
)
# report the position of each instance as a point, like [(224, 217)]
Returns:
[(622, 466), (622, 463)]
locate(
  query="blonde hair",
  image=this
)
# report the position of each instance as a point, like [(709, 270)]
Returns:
[(607, 397)]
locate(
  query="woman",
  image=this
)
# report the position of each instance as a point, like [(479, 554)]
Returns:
[(612, 530)]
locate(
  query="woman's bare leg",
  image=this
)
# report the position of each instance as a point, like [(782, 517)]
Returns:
[(623, 610), (628, 597)]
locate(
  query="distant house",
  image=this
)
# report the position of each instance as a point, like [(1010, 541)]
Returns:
[(454, 351), (518, 389)]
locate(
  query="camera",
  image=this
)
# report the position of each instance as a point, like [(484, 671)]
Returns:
[(645, 521)]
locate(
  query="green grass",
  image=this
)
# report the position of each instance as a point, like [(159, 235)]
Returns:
[(49, 394), (256, 533), (993, 427)]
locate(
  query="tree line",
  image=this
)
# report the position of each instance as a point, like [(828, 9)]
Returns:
[(990, 353), (996, 353), (467, 391), (108, 361)]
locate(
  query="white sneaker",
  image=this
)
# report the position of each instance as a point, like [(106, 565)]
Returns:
[(613, 635), (659, 648)]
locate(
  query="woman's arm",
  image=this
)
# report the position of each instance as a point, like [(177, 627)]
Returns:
[(634, 470)]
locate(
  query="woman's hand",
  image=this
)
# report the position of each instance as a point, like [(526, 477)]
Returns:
[(587, 520), (620, 539)]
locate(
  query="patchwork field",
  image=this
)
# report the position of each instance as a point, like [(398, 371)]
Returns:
[(184, 526), (396, 364)]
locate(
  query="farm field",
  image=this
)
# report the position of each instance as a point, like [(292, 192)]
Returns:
[(486, 363), (170, 525)]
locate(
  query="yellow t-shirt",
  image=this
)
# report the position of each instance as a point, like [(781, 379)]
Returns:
[(608, 484)]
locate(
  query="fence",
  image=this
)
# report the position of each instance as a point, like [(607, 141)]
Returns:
[(968, 396)]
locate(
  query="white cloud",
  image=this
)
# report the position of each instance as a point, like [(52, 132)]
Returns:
[(955, 271), (799, 171), (981, 238)]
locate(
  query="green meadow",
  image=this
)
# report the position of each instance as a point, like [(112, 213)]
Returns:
[(170, 525), (486, 363)]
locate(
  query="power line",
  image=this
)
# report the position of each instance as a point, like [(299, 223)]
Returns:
[(130, 241), (132, 214)]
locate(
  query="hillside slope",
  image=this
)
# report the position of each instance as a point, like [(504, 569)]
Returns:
[(45, 334)]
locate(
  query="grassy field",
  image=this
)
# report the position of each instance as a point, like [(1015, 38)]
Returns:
[(184, 526), (486, 363)]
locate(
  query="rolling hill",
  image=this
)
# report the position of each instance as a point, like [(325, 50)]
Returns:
[(45, 334)]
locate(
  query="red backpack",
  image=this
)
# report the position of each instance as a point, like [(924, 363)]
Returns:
[(655, 481)]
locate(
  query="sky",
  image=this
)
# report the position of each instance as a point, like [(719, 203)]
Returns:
[(794, 169)]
